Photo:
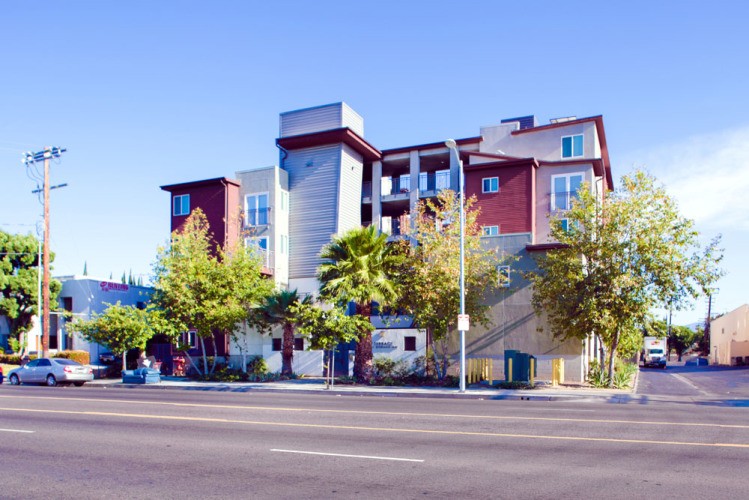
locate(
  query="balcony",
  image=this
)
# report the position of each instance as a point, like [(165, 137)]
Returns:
[(431, 183), (396, 188), (266, 257), (396, 226), (366, 192)]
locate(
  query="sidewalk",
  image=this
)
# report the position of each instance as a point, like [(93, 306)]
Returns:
[(543, 392)]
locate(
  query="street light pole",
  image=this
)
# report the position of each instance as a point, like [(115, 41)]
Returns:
[(453, 147)]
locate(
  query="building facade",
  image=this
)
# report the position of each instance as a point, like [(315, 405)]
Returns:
[(729, 338), (330, 179)]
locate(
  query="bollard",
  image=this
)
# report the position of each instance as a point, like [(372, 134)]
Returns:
[(533, 369), (509, 370)]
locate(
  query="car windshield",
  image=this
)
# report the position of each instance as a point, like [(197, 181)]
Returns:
[(656, 351), (62, 361)]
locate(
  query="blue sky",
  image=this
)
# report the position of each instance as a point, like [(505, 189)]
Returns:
[(146, 93)]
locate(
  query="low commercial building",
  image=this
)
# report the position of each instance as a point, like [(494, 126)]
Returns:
[(729, 338)]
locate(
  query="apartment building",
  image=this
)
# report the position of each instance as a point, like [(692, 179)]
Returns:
[(330, 179)]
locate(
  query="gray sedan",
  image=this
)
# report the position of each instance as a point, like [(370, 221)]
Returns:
[(51, 371)]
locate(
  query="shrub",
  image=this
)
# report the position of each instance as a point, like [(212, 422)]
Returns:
[(514, 385), (257, 366), (81, 357), (597, 375)]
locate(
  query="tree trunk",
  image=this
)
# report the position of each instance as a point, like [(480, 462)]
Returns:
[(205, 357), (124, 360), (363, 360), (215, 353), (612, 355), (287, 350)]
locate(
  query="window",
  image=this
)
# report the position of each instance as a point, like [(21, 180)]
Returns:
[(409, 343), (284, 244), (564, 190), (256, 209), (504, 276), (572, 146), (490, 230), (190, 338), (299, 344), (277, 344), (565, 223), (490, 185), (181, 204)]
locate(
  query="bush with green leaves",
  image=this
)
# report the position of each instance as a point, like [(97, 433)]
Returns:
[(257, 366), (597, 375), (82, 357)]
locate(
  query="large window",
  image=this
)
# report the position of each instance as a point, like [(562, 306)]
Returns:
[(504, 276), (572, 146), (564, 190), (490, 185), (256, 208), (181, 204)]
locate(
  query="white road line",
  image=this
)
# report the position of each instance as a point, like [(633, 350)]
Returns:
[(347, 456), (17, 430), (689, 383)]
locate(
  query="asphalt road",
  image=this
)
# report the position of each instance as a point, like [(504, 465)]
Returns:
[(90, 443), (699, 381)]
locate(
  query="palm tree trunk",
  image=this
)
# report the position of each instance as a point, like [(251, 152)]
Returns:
[(287, 350), (363, 361)]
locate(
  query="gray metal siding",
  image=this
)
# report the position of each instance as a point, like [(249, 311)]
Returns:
[(313, 195), (352, 120), (349, 195), (305, 121)]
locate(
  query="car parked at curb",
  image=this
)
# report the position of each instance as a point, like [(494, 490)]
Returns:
[(51, 371)]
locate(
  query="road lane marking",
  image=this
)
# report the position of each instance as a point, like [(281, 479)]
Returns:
[(395, 414), (17, 430), (682, 378), (374, 429), (372, 457)]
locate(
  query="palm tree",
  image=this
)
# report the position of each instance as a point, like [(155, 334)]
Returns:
[(275, 311), (360, 267)]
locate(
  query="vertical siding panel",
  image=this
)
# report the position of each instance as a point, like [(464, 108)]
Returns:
[(349, 194), (313, 185)]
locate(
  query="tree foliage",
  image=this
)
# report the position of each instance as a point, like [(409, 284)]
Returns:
[(359, 266), (205, 289), (120, 328), (620, 259), (19, 295), (276, 309), (433, 269)]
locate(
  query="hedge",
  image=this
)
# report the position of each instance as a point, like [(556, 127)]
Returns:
[(81, 357)]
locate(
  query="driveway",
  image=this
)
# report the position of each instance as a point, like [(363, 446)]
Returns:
[(705, 381)]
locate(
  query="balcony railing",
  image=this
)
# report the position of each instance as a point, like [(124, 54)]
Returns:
[(396, 185), (366, 190), (562, 200), (431, 183), (257, 217)]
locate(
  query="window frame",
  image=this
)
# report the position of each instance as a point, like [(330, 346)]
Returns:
[(484, 231), (492, 188), (265, 254), (256, 209), (572, 154), (568, 192), (182, 210), (409, 339)]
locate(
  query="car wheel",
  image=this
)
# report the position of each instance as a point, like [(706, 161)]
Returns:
[(14, 380), (78, 384), (51, 381)]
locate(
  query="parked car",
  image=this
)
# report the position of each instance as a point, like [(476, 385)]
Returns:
[(51, 371), (107, 358), (1, 374)]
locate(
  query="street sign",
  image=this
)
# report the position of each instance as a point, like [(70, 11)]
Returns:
[(463, 322)]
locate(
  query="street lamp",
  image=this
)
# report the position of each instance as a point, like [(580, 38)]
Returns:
[(462, 319)]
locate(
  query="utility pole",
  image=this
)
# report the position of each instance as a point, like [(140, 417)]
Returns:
[(29, 159), (706, 337)]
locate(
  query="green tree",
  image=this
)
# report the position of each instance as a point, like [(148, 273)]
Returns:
[(432, 270), (682, 338), (618, 260), (359, 266), (276, 309), (119, 328), (209, 290), (19, 275), (326, 328)]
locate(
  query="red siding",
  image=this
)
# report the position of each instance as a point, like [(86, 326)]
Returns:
[(512, 207)]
